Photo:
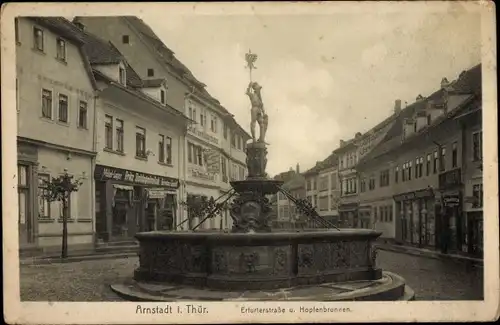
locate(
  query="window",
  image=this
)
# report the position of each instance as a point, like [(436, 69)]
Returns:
[(125, 39), (314, 184), (333, 181), (213, 124), (225, 131), (190, 152), (202, 118), (362, 185), (23, 195), (371, 183), (241, 171), (419, 163), (239, 142), (168, 150), (162, 96), (477, 193), (140, 142), (194, 114), (443, 159), (161, 148), (435, 164), (375, 214), (38, 39), (46, 103), (323, 183), (151, 72), (61, 49), (123, 77), (409, 170), (82, 115), (477, 146), (428, 167), (108, 132), (384, 178), (119, 135), (16, 29), (224, 169), (63, 108), (454, 155), (43, 203), (190, 109), (323, 203), (233, 140), (396, 174), (403, 174), (390, 213)]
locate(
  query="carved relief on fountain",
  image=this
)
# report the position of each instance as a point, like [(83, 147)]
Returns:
[(251, 212), (256, 160)]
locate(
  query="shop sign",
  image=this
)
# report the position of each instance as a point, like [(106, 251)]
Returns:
[(451, 201), (157, 193), (414, 195), (203, 135), (451, 178), (212, 160), (105, 173)]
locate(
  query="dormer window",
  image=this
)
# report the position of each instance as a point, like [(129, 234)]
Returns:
[(163, 96), (151, 72), (125, 39), (123, 76), (61, 49)]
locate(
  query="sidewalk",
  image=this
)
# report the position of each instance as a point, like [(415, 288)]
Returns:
[(428, 253), (39, 260)]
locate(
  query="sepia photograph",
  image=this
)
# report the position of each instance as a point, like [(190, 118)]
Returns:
[(250, 162)]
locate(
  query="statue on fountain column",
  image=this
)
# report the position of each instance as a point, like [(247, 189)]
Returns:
[(257, 111)]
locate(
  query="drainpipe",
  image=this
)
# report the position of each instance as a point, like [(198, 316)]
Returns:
[(92, 169)]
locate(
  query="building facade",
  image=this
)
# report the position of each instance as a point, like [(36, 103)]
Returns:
[(55, 106), (412, 183), (214, 144), (287, 214)]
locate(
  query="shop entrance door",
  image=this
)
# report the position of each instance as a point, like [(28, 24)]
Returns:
[(120, 225)]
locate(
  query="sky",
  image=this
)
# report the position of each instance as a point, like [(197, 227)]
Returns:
[(324, 76)]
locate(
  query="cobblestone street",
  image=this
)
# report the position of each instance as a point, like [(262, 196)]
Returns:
[(89, 281)]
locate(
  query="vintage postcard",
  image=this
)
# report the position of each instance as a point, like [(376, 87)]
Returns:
[(278, 162)]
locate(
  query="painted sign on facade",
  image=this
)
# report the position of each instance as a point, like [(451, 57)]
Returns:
[(104, 173)]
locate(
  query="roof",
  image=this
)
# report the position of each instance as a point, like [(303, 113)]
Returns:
[(297, 181), (139, 94), (151, 83), (285, 176), (330, 161), (469, 82)]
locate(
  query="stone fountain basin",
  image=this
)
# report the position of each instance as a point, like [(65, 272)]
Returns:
[(258, 261)]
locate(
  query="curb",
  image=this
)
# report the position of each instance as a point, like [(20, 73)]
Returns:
[(71, 259), (429, 254)]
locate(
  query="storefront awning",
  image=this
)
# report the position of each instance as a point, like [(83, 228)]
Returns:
[(123, 187), (158, 193)]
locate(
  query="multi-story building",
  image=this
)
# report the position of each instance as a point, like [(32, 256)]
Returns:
[(214, 144), (287, 215), (139, 141), (322, 188), (55, 106), (349, 153), (411, 184)]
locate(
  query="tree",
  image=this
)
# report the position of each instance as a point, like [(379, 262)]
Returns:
[(60, 189)]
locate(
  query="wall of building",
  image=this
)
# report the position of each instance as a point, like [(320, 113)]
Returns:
[(153, 125), (42, 70)]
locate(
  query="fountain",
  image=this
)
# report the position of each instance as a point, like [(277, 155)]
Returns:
[(253, 262)]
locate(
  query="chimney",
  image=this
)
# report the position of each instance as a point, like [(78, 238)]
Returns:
[(297, 169), (79, 25), (397, 106), (444, 83), (357, 135), (419, 97), (342, 142)]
